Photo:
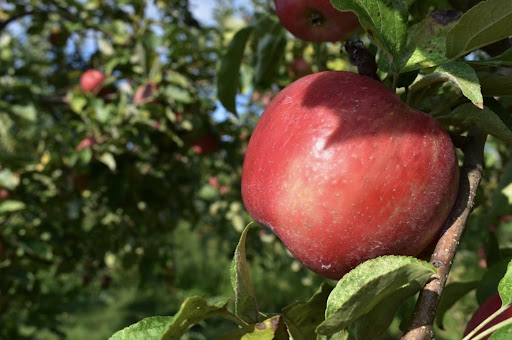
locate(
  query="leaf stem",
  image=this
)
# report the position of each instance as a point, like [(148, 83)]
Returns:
[(421, 325), (485, 322)]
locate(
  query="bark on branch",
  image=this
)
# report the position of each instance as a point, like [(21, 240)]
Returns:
[(421, 326)]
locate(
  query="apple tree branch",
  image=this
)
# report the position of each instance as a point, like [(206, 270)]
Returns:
[(421, 325)]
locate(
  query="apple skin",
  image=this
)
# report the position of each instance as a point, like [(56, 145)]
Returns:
[(144, 92), (491, 305), (315, 20), (343, 171), (92, 81)]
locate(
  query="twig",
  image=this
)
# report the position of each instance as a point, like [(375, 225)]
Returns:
[(421, 327), (361, 57)]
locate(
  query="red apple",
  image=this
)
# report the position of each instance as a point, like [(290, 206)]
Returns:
[(144, 92), (299, 68), (315, 20), (86, 143), (487, 308), (205, 145), (343, 171), (92, 81)]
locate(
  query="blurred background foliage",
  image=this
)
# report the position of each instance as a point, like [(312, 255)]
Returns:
[(113, 209)]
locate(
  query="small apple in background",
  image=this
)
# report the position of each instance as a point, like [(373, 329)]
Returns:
[(491, 305), (92, 81), (343, 171), (58, 37), (316, 20), (299, 68), (144, 92), (4, 194), (86, 143), (206, 144)]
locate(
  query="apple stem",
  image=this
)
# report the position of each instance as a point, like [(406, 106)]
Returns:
[(361, 57), (421, 325)]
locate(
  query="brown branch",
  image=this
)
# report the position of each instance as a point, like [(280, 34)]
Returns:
[(421, 327)]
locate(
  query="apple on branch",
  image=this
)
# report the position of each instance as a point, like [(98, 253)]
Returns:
[(343, 171), (489, 307), (316, 20), (92, 81), (144, 93), (299, 68)]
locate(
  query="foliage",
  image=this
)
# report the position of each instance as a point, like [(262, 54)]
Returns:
[(109, 206)]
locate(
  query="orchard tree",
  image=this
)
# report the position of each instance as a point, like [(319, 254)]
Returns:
[(370, 179)]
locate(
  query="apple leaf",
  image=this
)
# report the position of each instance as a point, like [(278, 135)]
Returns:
[(485, 119), (386, 21), (451, 294), (192, 311), (146, 329), (490, 280), (246, 306), (504, 333), (377, 321), (270, 51), (10, 206), (505, 286), (502, 60), (459, 74), (487, 22), (229, 72), (272, 328), (302, 318), (494, 85), (366, 286), (426, 40)]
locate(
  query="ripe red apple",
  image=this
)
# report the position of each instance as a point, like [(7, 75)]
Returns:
[(92, 81), (299, 68), (315, 20), (487, 308), (205, 144), (144, 92), (343, 171)]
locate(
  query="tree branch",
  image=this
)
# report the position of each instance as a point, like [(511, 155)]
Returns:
[(421, 326)]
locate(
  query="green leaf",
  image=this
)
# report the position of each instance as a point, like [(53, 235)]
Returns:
[(270, 329), (386, 21), (108, 159), (78, 103), (490, 280), (504, 59), (229, 72), (367, 285), (192, 311), (485, 119), (487, 22), (504, 333), (451, 294), (270, 52), (458, 74), (377, 321), (426, 40), (146, 329), (302, 318), (246, 306), (505, 286), (8, 179), (27, 112), (494, 85), (11, 206)]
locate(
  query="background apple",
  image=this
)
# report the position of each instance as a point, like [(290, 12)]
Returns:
[(487, 308), (92, 81), (315, 20), (205, 144), (343, 171), (144, 92), (299, 68)]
